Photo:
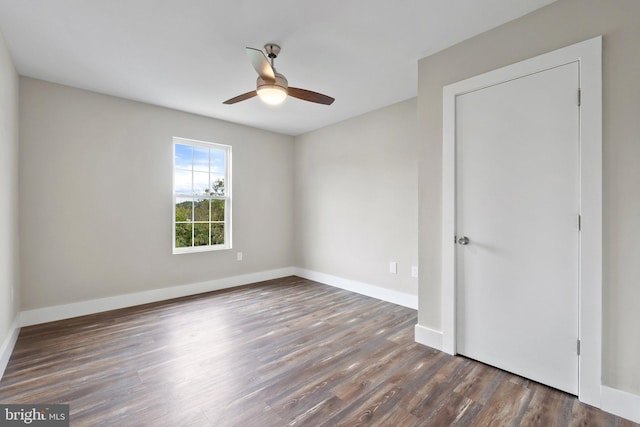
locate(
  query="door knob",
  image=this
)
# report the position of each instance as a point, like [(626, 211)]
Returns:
[(464, 240)]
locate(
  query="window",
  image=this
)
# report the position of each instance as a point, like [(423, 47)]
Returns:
[(201, 196)]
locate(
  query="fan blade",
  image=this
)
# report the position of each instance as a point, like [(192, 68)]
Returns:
[(241, 97), (261, 65), (307, 95)]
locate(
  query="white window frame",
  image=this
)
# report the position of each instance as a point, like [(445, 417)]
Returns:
[(227, 196)]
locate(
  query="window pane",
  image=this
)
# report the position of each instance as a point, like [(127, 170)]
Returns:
[(217, 210), (217, 162), (184, 209), (201, 210), (200, 159), (182, 182), (183, 156), (217, 185), (217, 234), (200, 234), (183, 235), (201, 183)]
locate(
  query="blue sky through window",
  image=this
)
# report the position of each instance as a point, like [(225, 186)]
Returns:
[(196, 168)]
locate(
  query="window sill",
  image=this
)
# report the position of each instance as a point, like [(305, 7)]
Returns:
[(179, 251)]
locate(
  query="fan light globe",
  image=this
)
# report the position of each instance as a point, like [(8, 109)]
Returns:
[(272, 94)]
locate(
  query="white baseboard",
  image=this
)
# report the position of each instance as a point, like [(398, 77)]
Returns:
[(7, 346), (395, 297), (621, 403), (66, 311), (429, 337)]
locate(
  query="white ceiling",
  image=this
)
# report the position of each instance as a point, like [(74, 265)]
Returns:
[(189, 54)]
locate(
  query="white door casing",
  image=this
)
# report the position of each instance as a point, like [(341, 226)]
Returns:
[(587, 55)]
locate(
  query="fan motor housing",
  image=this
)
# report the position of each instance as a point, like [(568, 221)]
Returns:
[(281, 81)]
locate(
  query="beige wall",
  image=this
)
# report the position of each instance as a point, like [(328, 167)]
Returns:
[(356, 198), (9, 267), (96, 197), (559, 24)]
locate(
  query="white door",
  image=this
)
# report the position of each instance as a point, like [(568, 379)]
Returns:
[(517, 202)]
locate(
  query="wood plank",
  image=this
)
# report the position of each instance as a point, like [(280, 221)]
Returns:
[(282, 352)]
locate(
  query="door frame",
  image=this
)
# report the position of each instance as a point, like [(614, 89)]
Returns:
[(588, 54)]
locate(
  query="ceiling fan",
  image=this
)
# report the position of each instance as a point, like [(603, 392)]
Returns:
[(272, 87)]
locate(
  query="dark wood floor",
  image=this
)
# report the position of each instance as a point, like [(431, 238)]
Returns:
[(283, 352)]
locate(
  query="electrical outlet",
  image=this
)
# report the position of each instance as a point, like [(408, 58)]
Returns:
[(393, 267), (414, 271), (239, 256)]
